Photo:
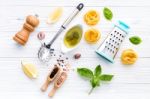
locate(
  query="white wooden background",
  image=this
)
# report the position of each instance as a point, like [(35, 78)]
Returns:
[(130, 82)]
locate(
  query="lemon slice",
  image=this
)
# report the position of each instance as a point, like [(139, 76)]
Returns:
[(29, 69), (55, 15)]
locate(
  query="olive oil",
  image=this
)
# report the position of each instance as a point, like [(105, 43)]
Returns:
[(73, 36)]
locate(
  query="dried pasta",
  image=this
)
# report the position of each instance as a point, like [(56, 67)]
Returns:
[(91, 17), (92, 35), (129, 57)]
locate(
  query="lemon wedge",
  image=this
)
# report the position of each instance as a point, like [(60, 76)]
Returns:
[(29, 69), (55, 15)]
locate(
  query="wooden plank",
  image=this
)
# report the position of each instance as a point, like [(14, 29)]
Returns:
[(87, 50), (138, 73), (125, 81), (13, 22), (92, 3), (130, 82)]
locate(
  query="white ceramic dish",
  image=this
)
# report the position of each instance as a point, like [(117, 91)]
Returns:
[(64, 48)]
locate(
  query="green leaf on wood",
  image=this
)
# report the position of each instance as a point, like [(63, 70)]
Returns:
[(97, 71), (108, 13), (135, 40), (85, 72), (94, 78), (106, 77)]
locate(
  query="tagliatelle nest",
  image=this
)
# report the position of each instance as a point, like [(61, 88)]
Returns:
[(92, 35), (91, 17), (129, 57)]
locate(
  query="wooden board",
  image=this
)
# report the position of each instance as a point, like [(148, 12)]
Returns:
[(130, 82)]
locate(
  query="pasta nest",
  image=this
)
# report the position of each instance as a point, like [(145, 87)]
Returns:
[(129, 57), (92, 17), (92, 35)]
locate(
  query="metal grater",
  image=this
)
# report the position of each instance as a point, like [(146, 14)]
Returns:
[(110, 46)]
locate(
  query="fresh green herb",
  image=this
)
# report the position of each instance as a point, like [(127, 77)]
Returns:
[(106, 77), (97, 71), (84, 72), (108, 13), (135, 40), (94, 77)]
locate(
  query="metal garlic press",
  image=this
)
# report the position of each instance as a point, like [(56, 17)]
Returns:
[(45, 51), (110, 46)]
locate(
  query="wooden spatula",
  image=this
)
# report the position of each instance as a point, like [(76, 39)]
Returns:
[(58, 83), (53, 74)]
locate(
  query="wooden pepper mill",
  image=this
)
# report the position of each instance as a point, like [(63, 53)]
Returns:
[(22, 36)]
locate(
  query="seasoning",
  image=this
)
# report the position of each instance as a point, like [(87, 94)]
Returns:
[(77, 55), (54, 72), (62, 60), (41, 35)]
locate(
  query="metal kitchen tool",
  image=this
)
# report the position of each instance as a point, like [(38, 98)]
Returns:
[(45, 50), (110, 46)]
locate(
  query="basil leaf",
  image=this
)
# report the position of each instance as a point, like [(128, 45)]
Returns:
[(97, 71), (95, 81), (106, 77), (107, 13), (135, 40), (84, 72), (92, 81)]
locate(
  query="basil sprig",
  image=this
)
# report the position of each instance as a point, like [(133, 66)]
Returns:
[(135, 40), (94, 77)]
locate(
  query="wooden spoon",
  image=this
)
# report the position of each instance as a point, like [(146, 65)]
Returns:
[(58, 83), (53, 74)]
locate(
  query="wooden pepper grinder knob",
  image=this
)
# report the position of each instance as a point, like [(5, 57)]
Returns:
[(22, 36)]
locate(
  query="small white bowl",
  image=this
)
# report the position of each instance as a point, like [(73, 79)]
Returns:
[(65, 49)]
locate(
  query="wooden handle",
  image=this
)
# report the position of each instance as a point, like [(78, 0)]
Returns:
[(44, 86), (60, 80), (52, 92), (50, 79)]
